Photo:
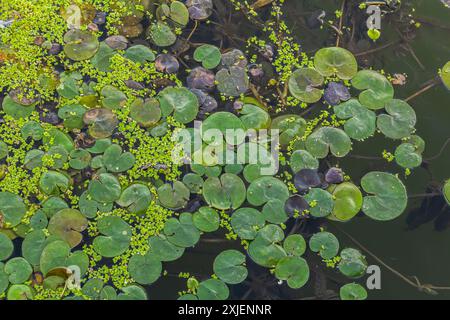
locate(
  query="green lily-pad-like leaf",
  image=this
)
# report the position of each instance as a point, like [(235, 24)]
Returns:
[(18, 270), (163, 249), (33, 159), (324, 243), (222, 121), (294, 270), (388, 199), (116, 161), (20, 292), (182, 232), (294, 245), (360, 122), (56, 254), (6, 247), (32, 246), (72, 114), (132, 292), (102, 59), (254, 117), (194, 182), (79, 159), (246, 222), (32, 129), (265, 189), (145, 269), (229, 266), (102, 122), (4, 281), (208, 55), (328, 139), (105, 188), (232, 81), (113, 98), (139, 53), (16, 110), (136, 198), (68, 225), (177, 13), (12, 209), (353, 291), (289, 126), (265, 250), (320, 202), (173, 196), (399, 121), (90, 207), (225, 192), (303, 85), (115, 238), (446, 191), (273, 211), (145, 112), (3, 150), (445, 75), (206, 219), (377, 89), (100, 146), (59, 156), (408, 155), (213, 289), (56, 137), (182, 102), (161, 34), (80, 44), (336, 61), (69, 85), (348, 201), (352, 264), (302, 159)]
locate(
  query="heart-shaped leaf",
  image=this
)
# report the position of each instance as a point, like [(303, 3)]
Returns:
[(360, 122), (229, 266), (68, 225), (303, 85), (225, 192), (399, 121), (328, 139), (336, 61), (115, 238), (377, 89)]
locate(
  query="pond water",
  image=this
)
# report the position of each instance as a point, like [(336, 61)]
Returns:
[(417, 250)]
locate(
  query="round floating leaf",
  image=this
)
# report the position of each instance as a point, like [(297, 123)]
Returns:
[(294, 270), (139, 53), (353, 291), (225, 192), (296, 205), (115, 238), (145, 269), (33, 159), (199, 9), (173, 196), (132, 292), (18, 269), (6, 247), (102, 122), (116, 161), (264, 189), (102, 59), (72, 114), (56, 137), (352, 264), (325, 243), (253, 117), (182, 232), (79, 159), (56, 254), (336, 61), (445, 75), (302, 159), (194, 182), (377, 89), (181, 101), (321, 202), (306, 179), (3, 150), (348, 201), (208, 55), (15, 109), (80, 44), (446, 191), (145, 112), (246, 222), (407, 156), (12, 209), (360, 122), (136, 198), (100, 146), (388, 199), (295, 245), (90, 207), (289, 126), (206, 219), (336, 92), (265, 250), (399, 121), (19, 292), (328, 139), (303, 85), (106, 188), (222, 121), (32, 129), (68, 225), (4, 282), (92, 288), (273, 211), (163, 249), (213, 289), (229, 266), (32, 246), (161, 34), (177, 13), (233, 81), (113, 98)]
